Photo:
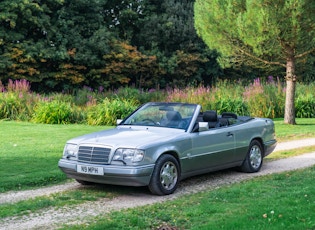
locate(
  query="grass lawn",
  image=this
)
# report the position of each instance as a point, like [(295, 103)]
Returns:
[(30, 152), (305, 128), (280, 201)]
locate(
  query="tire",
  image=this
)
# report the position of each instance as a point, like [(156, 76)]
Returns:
[(254, 158), (165, 176)]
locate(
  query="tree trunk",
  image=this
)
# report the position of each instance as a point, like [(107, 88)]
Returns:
[(289, 114)]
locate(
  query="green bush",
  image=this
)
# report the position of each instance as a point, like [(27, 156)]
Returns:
[(9, 107), (305, 106), (225, 97), (57, 112), (142, 96), (264, 99), (16, 100), (276, 99), (236, 105), (305, 101), (14, 107), (85, 96), (107, 112), (127, 93), (200, 95)]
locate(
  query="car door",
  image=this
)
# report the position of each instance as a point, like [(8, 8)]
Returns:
[(212, 149)]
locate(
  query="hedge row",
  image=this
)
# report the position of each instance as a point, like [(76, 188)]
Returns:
[(260, 98)]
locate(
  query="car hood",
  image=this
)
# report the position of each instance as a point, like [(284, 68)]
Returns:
[(129, 136)]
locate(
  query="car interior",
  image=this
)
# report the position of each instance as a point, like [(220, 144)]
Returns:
[(214, 121)]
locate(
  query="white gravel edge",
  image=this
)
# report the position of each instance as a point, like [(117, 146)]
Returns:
[(295, 144)]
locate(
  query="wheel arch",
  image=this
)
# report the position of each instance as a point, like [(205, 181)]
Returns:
[(254, 159), (175, 155), (260, 140)]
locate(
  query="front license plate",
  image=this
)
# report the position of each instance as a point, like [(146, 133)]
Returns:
[(90, 170)]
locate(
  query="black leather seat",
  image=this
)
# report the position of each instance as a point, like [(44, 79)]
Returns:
[(211, 117), (173, 119)]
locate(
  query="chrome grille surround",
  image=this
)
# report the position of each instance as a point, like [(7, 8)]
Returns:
[(93, 154)]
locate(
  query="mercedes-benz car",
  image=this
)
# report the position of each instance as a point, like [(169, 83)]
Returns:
[(160, 144)]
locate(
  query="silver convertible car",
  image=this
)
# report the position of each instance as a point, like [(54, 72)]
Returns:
[(160, 144)]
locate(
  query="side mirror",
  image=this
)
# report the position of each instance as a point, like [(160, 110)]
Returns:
[(118, 121)]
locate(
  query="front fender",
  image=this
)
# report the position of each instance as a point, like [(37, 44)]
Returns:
[(179, 149)]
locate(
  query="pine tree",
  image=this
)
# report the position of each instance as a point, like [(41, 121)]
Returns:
[(268, 32)]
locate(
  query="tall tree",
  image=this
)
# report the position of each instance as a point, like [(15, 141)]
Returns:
[(80, 39), (123, 16), (126, 64), (56, 44), (23, 25), (268, 32), (165, 29)]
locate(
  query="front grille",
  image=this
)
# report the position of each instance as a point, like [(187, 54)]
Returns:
[(93, 154)]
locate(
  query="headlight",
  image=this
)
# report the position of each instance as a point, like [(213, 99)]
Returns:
[(128, 155), (70, 150)]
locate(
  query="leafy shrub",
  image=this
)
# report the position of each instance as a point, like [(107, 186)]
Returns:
[(107, 112), (236, 105), (264, 99), (200, 95), (139, 95), (276, 98), (305, 106), (261, 98), (305, 100), (67, 98), (151, 95), (10, 107), (14, 107), (16, 100), (127, 93), (85, 96), (223, 98), (57, 112), (227, 97)]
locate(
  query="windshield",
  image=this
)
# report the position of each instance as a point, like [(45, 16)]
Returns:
[(171, 115)]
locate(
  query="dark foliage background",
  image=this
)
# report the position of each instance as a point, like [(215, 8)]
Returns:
[(62, 45)]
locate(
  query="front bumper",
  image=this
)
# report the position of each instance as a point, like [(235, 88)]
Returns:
[(113, 174)]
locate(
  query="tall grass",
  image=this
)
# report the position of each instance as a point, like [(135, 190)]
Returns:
[(265, 99), (108, 111), (16, 100), (224, 97), (305, 101), (57, 112), (228, 98), (261, 98)]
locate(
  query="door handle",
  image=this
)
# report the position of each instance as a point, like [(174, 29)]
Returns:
[(229, 134)]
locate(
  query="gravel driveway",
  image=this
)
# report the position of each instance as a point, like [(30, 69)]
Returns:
[(52, 218)]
